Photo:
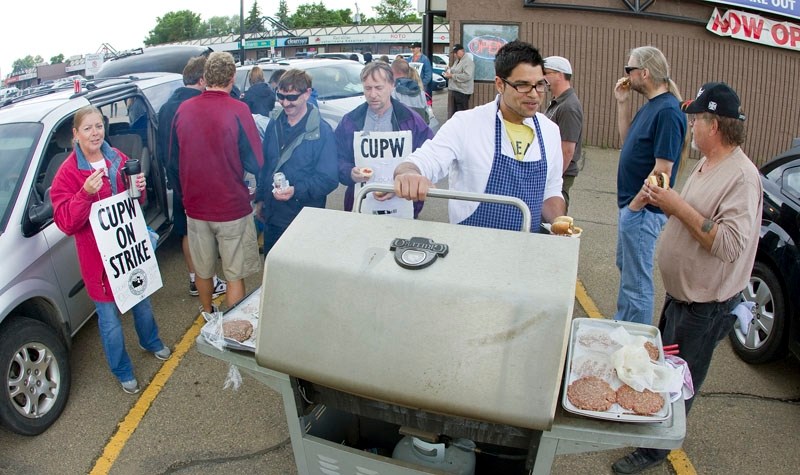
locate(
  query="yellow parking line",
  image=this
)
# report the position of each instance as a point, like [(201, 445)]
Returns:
[(678, 458), (136, 414), (681, 463), (585, 301)]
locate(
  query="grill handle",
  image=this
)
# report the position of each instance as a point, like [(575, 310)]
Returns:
[(454, 195)]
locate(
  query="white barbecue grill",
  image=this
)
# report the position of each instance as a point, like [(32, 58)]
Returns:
[(373, 327)]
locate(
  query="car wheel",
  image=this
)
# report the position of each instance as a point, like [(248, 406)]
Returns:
[(765, 340), (36, 376)]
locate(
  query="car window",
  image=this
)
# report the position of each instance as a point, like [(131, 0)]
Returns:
[(157, 95), (791, 182), (17, 142)]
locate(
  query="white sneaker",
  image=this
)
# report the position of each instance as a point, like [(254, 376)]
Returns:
[(130, 387), (220, 287)]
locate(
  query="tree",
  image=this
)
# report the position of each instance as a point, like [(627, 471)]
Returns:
[(57, 59), (222, 26), (176, 26), (26, 63), (396, 11), (312, 15), (253, 22), (283, 13)]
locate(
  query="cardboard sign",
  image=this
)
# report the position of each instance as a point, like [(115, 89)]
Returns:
[(383, 151), (128, 255)]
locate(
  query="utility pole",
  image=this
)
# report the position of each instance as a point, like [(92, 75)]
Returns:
[(241, 32)]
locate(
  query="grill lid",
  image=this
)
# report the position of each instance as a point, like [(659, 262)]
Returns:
[(479, 331)]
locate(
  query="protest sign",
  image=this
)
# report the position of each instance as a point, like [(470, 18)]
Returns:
[(382, 152), (128, 254)]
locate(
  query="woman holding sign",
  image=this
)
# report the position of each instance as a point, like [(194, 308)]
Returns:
[(94, 171)]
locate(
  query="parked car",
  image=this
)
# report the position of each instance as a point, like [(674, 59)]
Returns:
[(439, 63), (43, 300), (775, 279), (439, 82), (340, 55), (337, 82)]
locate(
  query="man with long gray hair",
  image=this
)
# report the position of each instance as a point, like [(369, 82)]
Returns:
[(651, 145), (709, 244)]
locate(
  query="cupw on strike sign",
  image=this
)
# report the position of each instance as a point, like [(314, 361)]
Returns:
[(128, 255)]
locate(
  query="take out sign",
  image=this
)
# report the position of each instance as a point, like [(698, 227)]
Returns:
[(754, 28)]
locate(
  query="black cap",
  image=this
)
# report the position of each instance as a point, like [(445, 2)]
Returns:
[(457, 47), (715, 98), (416, 44)]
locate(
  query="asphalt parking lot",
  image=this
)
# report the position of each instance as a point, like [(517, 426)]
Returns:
[(746, 418)]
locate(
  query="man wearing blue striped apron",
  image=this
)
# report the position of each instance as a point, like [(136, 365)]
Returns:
[(504, 147)]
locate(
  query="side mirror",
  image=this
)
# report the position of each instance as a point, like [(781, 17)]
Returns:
[(41, 213)]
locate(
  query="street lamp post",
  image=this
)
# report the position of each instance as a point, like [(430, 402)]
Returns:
[(241, 32)]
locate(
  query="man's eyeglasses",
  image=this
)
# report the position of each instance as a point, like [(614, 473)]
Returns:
[(630, 69), (525, 88), (287, 97)]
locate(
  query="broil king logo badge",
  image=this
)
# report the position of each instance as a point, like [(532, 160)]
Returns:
[(417, 252), (137, 282)]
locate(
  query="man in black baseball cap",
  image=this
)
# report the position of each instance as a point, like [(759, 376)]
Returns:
[(427, 69), (461, 78), (715, 98), (708, 246)]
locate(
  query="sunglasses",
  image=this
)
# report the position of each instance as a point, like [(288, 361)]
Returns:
[(287, 97), (630, 69)]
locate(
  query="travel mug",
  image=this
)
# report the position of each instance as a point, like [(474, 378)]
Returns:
[(132, 169)]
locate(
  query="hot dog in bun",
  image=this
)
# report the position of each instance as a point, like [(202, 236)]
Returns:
[(659, 179), (564, 226)]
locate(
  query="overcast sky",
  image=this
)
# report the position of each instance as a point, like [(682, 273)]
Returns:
[(50, 27)]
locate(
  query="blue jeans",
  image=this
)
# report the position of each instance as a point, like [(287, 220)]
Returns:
[(114, 341), (637, 233)]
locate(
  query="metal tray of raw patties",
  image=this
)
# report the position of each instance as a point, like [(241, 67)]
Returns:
[(589, 354)]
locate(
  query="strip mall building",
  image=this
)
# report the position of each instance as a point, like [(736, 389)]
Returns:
[(753, 45)]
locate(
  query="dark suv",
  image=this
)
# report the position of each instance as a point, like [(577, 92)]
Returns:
[(775, 280), (43, 301)]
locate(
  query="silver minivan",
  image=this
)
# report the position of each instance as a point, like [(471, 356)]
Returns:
[(43, 300)]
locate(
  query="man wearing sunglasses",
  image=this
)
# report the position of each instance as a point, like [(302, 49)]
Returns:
[(505, 147), (652, 143), (301, 145)]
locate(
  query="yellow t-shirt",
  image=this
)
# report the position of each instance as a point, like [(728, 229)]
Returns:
[(521, 137)]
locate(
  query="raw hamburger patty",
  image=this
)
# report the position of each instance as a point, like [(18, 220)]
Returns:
[(591, 393), (645, 403), (239, 330), (596, 340), (593, 364), (652, 350)]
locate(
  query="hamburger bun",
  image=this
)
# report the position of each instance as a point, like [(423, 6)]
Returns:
[(660, 180), (625, 84), (563, 225), (380, 194)]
